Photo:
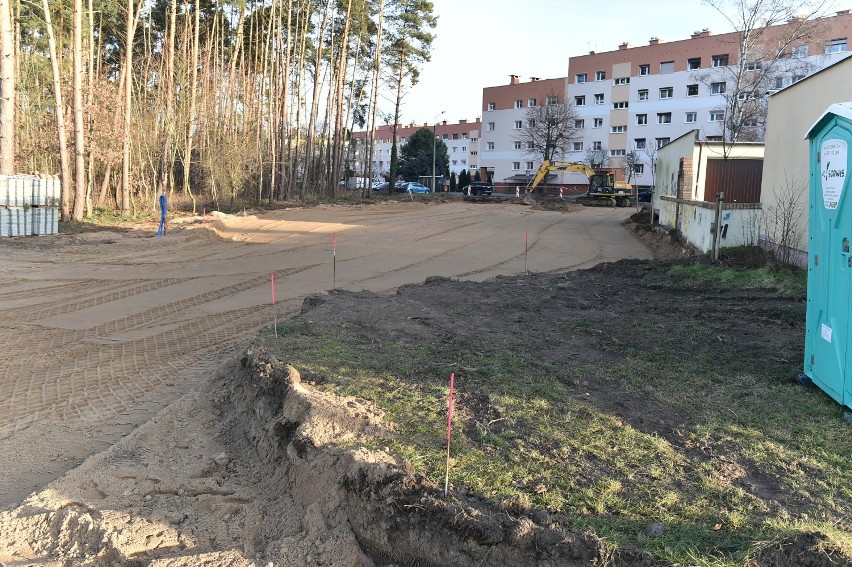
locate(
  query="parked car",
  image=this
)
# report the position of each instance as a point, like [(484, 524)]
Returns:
[(415, 187), (400, 186), (645, 195), (382, 186), (479, 188)]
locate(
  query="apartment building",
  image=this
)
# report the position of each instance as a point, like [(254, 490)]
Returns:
[(637, 99), (504, 159), (461, 138)]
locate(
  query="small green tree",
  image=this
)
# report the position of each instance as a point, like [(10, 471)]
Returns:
[(464, 180), (453, 181), (415, 157), (477, 177)]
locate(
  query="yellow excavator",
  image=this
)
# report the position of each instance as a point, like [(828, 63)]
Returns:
[(603, 189)]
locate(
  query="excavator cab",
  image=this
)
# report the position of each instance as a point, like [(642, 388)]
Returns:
[(600, 183)]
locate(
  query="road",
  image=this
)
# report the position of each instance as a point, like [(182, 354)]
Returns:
[(102, 330)]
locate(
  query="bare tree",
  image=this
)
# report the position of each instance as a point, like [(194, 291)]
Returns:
[(782, 220), (79, 123), (766, 32), (549, 129), (628, 163), (597, 158)]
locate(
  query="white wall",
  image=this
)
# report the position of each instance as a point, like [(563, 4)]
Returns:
[(739, 225)]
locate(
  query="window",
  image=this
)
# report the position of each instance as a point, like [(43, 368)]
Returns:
[(748, 95), (797, 78), (643, 94), (516, 145), (599, 98), (489, 145), (598, 123), (644, 70), (596, 145), (455, 162), (578, 146), (617, 153), (579, 123), (750, 122), (714, 138), (639, 168), (518, 104), (666, 92), (516, 165), (464, 148), (580, 100), (800, 51), (519, 124), (531, 102), (690, 117), (529, 165), (580, 78), (490, 126), (620, 104), (455, 136), (666, 67), (492, 106), (530, 145), (464, 136), (716, 115), (474, 139), (473, 153), (641, 119), (778, 83), (662, 142), (664, 118), (472, 166), (617, 129), (551, 100), (717, 88), (836, 46), (621, 81), (693, 63), (455, 149), (639, 143), (531, 123), (600, 75), (691, 90), (719, 60), (447, 136), (463, 162), (753, 65)]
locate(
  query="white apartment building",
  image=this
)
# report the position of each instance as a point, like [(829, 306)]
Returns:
[(640, 98), (461, 138)]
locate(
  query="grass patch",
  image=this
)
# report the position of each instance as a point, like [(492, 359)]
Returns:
[(692, 419)]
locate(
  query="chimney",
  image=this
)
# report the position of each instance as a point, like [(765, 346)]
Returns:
[(534, 79), (514, 79), (478, 119), (443, 122), (695, 35), (463, 121), (591, 52), (623, 46), (654, 41)]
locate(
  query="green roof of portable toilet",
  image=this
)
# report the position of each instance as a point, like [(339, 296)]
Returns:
[(838, 109)]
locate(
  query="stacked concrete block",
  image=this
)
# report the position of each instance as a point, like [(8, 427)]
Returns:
[(29, 204)]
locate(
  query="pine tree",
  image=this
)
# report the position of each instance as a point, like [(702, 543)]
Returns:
[(453, 181)]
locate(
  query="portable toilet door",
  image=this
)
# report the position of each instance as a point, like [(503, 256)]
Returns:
[(827, 354)]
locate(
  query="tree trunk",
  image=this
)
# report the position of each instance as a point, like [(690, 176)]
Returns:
[(7, 90), (79, 123), (64, 159)]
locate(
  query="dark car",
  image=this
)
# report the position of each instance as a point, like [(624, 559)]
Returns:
[(479, 188), (645, 195), (383, 186)]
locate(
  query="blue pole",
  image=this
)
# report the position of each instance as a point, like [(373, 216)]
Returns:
[(162, 230)]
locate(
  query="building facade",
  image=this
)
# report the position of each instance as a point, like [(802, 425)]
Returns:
[(461, 138), (631, 101)]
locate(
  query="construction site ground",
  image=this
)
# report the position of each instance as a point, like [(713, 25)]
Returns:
[(135, 429)]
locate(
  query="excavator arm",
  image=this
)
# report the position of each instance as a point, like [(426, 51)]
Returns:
[(548, 166)]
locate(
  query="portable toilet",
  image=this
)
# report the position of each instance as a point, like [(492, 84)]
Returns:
[(828, 358)]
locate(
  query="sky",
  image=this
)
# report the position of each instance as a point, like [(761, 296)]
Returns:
[(480, 43)]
